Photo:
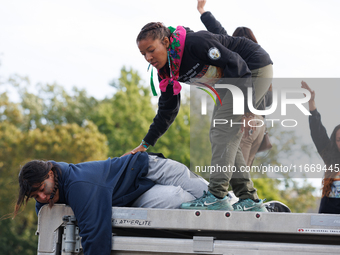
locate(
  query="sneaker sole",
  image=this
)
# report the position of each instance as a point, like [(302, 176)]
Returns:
[(277, 206), (208, 208), (193, 208)]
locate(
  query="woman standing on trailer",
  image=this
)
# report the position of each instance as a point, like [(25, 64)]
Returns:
[(180, 55)]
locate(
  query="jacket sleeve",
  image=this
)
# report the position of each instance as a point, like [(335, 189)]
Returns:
[(235, 69), (168, 108), (212, 24), (92, 207), (318, 132)]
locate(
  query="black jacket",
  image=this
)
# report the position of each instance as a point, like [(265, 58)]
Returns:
[(196, 61), (252, 53), (318, 132), (321, 141)]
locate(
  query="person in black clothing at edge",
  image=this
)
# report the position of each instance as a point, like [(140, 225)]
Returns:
[(329, 150), (181, 55), (249, 145)]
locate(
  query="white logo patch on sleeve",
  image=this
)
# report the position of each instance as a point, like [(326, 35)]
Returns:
[(214, 53)]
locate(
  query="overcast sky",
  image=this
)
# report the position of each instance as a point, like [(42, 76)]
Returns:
[(85, 43)]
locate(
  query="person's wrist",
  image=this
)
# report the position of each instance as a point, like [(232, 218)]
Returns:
[(201, 10), (312, 105), (145, 144)]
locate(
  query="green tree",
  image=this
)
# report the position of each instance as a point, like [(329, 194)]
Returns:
[(10, 111), (125, 119), (15, 236), (49, 105)]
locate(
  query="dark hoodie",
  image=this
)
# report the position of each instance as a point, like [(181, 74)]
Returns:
[(252, 53), (321, 141), (198, 63)]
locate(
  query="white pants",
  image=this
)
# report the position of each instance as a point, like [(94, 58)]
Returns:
[(175, 184)]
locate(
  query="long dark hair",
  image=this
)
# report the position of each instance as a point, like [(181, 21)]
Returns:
[(154, 30), (31, 175), (245, 32), (331, 157)]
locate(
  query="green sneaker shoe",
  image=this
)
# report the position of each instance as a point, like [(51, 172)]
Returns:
[(249, 205), (208, 202)]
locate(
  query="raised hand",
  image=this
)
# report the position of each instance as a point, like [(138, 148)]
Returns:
[(311, 101), (200, 6)]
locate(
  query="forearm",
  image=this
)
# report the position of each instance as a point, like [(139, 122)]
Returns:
[(312, 105), (318, 132), (201, 10), (212, 24), (168, 108)]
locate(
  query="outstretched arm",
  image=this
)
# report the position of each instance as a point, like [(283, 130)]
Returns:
[(317, 130), (92, 207), (168, 108), (311, 102), (209, 21)]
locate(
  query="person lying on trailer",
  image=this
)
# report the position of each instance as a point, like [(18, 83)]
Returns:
[(92, 188)]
